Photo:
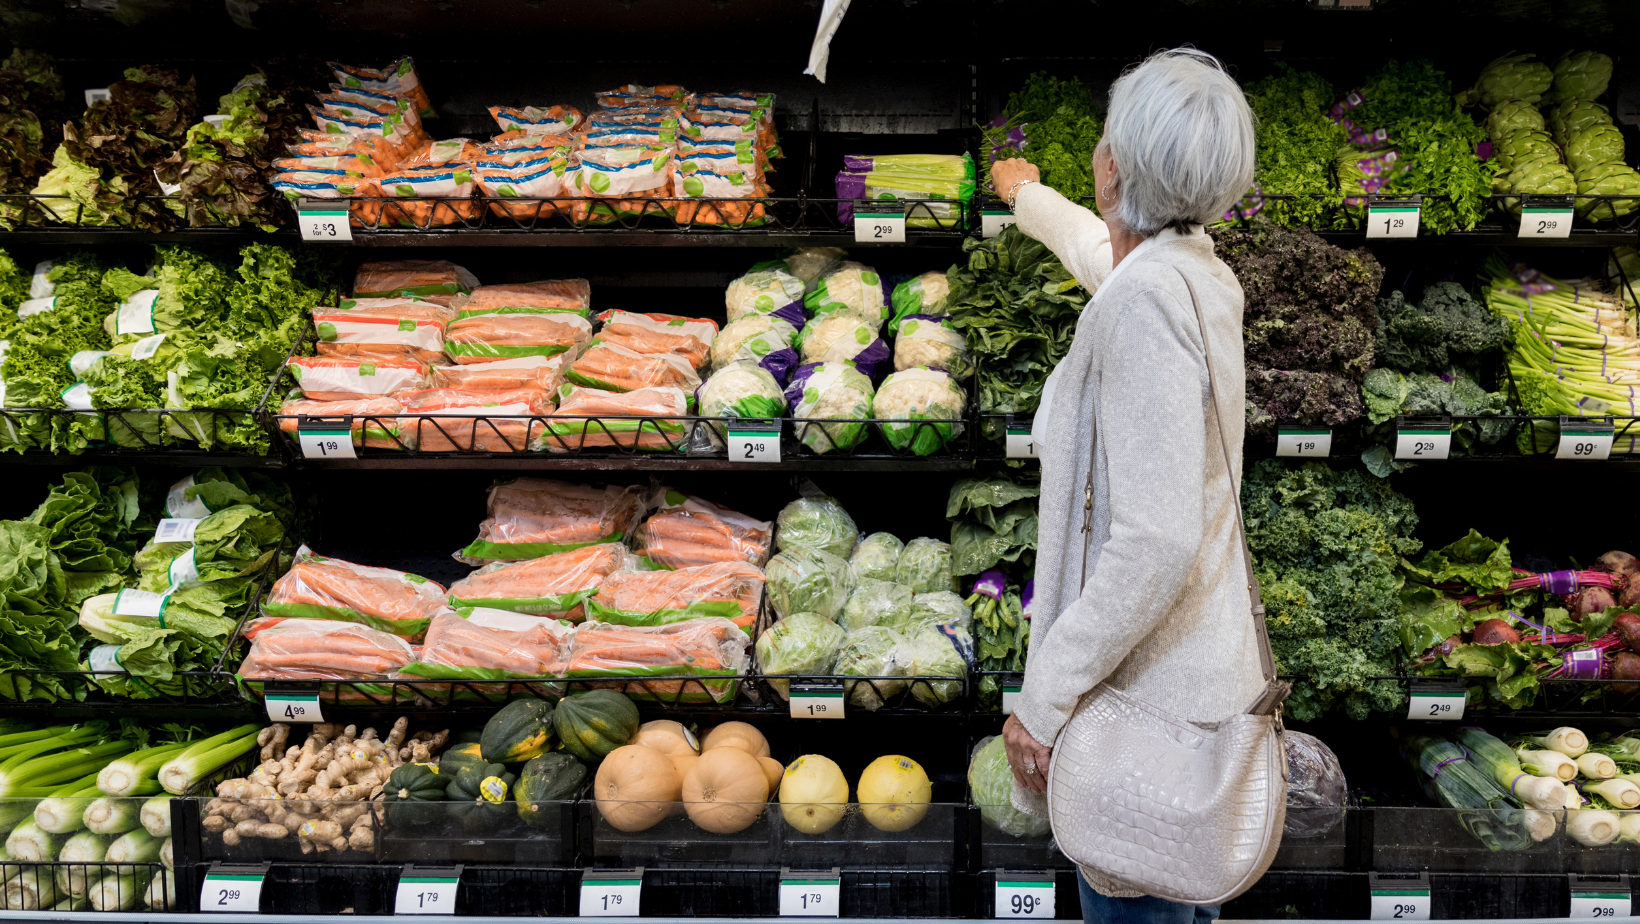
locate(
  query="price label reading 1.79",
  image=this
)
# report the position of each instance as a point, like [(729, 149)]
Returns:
[(293, 707), (326, 226), (231, 891), (809, 898), (879, 228), (613, 897), (421, 893), (1027, 899), (1392, 221)]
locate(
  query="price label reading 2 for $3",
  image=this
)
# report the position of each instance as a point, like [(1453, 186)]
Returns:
[(325, 226)]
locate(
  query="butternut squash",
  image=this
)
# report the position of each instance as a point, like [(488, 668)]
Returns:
[(736, 735), (773, 770), (635, 787), (725, 791), (666, 736)]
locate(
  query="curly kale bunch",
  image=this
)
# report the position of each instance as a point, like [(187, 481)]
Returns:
[(1297, 145), (1061, 128), (1326, 544), (1308, 322), (1446, 327)]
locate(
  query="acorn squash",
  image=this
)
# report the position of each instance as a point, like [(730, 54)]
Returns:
[(546, 781), (479, 797), (521, 731), (409, 792), (458, 756), (594, 723)]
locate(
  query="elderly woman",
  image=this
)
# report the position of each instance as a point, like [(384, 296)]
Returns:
[(1140, 579)]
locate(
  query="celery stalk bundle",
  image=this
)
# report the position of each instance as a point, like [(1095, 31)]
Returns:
[(131, 774), (204, 757)]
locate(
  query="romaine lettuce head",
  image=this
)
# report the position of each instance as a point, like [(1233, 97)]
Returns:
[(872, 652), (991, 781), (804, 644), (817, 522), (877, 603), (808, 581), (925, 566), (876, 557), (932, 653)]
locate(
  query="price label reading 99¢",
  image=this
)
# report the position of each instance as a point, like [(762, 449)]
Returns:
[(1027, 899), (1585, 440), (326, 226), (879, 228)]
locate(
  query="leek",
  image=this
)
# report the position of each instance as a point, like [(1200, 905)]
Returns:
[(136, 846), (1565, 739), (29, 844), (1452, 778), (1620, 793), (1493, 755), (161, 891), (124, 776), (118, 891), (43, 769), (156, 816), (112, 816), (205, 757), (1547, 764), (63, 812), (1597, 766), (13, 811), (35, 887), (1592, 827), (1574, 798), (1624, 748), (70, 904), (85, 847)]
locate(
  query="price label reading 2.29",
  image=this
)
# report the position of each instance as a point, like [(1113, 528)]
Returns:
[(1423, 444), (879, 228)]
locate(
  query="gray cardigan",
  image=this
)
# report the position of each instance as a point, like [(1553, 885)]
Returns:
[(1164, 613)]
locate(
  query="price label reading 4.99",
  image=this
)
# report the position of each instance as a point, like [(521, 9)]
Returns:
[(293, 707), (611, 893), (327, 226), (879, 228), (237, 889), (423, 891)]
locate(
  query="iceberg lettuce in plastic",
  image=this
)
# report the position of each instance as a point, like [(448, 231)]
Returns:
[(808, 581), (942, 607), (933, 652), (817, 522), (877, 556), (878, 603), (835, 392), (991, 781), (925, 566), (923, 405), (873, 651), (804, 644)]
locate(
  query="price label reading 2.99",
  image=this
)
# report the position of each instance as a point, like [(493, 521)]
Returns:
[(879, 228), (232, 890)]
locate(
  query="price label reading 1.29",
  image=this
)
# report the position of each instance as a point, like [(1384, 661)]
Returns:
[(326, 444), (879, 228), (1309, 444), (229, 891), (1607, 905), (293, 707), (426, 894), (1400, 904), (1423, 444), (1436, 705), (809, 898), (327, 226), (1392, 221), (1545, 223), (748, 444), (610, 898), (817, 701), (1020, 444)]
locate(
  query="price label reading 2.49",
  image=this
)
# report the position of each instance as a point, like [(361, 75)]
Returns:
[(1436, 705), (754, 442)]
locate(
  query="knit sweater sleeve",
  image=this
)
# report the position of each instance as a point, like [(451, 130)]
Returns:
[(1076, 236), (1154, 361)]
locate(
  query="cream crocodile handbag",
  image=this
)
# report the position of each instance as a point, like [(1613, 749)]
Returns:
[(1186, 812)]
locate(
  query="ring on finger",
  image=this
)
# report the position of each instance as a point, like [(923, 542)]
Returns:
[(1030, 769)]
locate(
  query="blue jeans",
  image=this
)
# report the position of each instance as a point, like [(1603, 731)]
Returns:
[(1098, 909)]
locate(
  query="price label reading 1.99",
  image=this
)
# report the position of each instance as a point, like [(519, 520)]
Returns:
[(327, 226), (326, 444), (1309, 444), (879, 228), (817, 700)]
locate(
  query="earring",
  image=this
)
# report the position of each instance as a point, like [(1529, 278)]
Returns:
[(1105, 192)]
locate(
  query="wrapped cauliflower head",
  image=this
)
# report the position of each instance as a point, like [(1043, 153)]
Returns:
[(852, 289), (924, 295), (932, 342), (842, 337), (808, 581), (925, 566), (835, 392), (808, 264), (769, 291), (920, 409), (740, 389), (876, 557), (761, 338), (878, 603), (816, 523), (804, 644)]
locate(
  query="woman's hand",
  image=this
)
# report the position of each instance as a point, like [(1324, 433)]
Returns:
[(1027, 758), (1005, 173)]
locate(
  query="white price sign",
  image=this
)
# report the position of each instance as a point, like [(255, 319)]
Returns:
[(991, 222), (749, 444), (424, 893), (99, 95), (330, 226), (1392, 221), (1545, 223), (879, 228), (615, 897), (1436, 705), (1031, 898), (1010, 696), (1020, 443), (293, 707), (1423, 443), (1400, 905), (816, 701), (1584, 441), (232, 891), (810, 897), (1309, 444), (326, 444), (1601, 904)]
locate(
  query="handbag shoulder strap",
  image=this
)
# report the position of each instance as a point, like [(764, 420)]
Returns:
[(1275, 690)]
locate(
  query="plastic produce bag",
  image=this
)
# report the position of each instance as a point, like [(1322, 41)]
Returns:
[(432, 196), (921, 409), (1316, 787), (589, 418), (932, 342), (541, 178), (835, 392), (339, 378), (615, 173), (923, 295), (877, 603), (852, 289), (762, 339), (943, 608), (398, 79), (632, 96), (381, 598), (688, 531), (689, 339), (925, 566), (692, 648), (934, 652), (321, 649), (808, 581), (544, 297), (802, 644), (877, 557), (437, 280), (842, 337), (537, 120), (769, 292), (443, 429), (816, 522), (532, 517), (543, 372), (807, 264), (553, 585), (400, 325), (615, 368), (991, 781), (491, 644), (741, 389), (873, 651), (481, 336), (376, 424), (730, 590)]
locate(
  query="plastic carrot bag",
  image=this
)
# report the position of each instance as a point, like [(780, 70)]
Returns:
[(852, 289), (552, 585), (544, 297), (398, 325), (612, 367), (690, 338), (633, 95), (398, 78), (376, 421), (437, 280), (363, 212), (382, 598), (656, 117), (433, 196), (341, 378), (687, 531), (480, 336), (536, 120), (365, 105), (622, 171), (532, 517), (630, 136), (692, 651), (772, 292), (336, 164), (446, 153), (836, 394), (729, 589), (478, 421), (589, 418), (482, 643), (700, 178), (543, 372), (321, 649), (542, 178), (759, 105)]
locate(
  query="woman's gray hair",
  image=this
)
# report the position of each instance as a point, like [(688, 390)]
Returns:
[(1181, 134)]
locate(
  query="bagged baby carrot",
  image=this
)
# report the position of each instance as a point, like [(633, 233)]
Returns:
[(398, 79), (535, 120), (592, 418), (729, 589), (341, 378), (407, 326), (700, 656), (690, 338), (321, 649), (481, 643), (479, 421), (436, 280), (543, 372)]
